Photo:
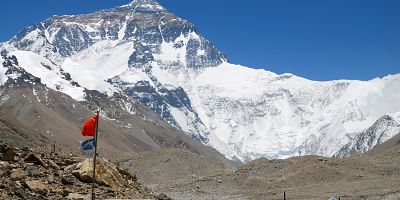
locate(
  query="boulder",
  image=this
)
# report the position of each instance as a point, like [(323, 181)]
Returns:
[(4, 165), (125, 172), (65, 192), (53, 165), (77, 196), (162, 196), (69, 168), (68, 180), (26, 149), (13, 165), (36, 186), (106, 173), (71, 160), (36, 173), (33, 158), (17, 174), (18, 184), (10, 155), (21, 193)]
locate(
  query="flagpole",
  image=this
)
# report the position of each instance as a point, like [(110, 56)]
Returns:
[(95, 153)]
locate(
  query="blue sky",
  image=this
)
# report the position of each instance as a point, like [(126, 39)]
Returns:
[(316, 39)]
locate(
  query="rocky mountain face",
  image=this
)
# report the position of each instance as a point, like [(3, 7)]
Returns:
[(140, 52), (382, 130), (31, 113), (136, 30)]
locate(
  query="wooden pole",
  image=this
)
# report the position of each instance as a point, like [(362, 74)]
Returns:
[(94, 157)]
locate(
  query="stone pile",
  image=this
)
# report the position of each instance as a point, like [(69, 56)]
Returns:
[(26, 174)]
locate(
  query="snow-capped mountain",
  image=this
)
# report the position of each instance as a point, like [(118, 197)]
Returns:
[(382, 130), (143, 51)]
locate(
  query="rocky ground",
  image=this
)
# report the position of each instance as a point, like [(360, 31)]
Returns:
[(28, 174), (165, 167), (308, 177), (375, 175)]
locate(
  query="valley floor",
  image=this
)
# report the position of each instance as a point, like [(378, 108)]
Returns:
[(374, 175)]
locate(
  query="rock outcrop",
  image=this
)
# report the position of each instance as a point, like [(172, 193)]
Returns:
[(30, 174), (106, 173)]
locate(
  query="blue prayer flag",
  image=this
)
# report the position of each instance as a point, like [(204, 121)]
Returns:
[(88, 144)]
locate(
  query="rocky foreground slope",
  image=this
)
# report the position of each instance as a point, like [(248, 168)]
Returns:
[(29, 174)]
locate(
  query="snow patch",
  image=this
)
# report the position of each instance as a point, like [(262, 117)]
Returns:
[(36, 94), (181, 118), (33, 35), (132, 77), (33, 63), (395, 116), (121, 32), (152, 6), (3, 70), (92, 67), (172, 52), (51, 34)]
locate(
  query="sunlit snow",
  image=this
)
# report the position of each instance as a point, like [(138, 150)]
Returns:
[(92, 67), (34, 64)]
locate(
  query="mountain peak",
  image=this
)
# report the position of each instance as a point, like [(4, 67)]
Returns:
[(149, 5)]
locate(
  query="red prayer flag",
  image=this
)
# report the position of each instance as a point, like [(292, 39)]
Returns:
[(89, 128)]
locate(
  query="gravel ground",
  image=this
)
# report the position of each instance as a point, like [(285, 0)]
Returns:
[(368, 176)]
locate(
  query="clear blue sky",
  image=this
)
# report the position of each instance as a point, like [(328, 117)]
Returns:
[(316, 39)]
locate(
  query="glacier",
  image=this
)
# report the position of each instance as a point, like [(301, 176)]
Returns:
[(144, 51)]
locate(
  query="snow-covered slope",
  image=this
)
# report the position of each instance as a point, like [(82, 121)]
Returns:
[(382, 130), (144, 51), (252, 113)]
